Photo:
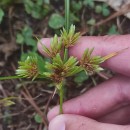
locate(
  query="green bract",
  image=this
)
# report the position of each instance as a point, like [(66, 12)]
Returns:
[(55, 47), (28, 68), (60, 69), (91, 64), (69, 38)]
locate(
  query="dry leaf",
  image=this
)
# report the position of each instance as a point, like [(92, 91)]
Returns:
[(8, 49)]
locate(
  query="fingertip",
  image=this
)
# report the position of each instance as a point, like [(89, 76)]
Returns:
[(57, 123), (52, 113), (44, 41), (73, 122), (49, 116)]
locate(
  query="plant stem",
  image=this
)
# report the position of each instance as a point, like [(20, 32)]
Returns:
[(10, 77), (61, 98), (67, 24), (67, 15)]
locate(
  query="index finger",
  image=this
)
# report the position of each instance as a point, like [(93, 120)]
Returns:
[(104, 45)]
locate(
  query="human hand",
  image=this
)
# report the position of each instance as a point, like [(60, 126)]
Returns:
[(107, 106)]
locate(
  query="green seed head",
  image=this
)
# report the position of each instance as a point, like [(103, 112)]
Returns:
[(28, 68), (90, 63), (69, 39)]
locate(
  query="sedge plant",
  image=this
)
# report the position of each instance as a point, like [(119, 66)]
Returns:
[(61, 65)]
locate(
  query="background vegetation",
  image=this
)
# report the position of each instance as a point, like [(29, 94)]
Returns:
[(20, 20)]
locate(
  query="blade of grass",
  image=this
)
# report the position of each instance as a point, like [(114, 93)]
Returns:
[(67, 15), (67, 24)]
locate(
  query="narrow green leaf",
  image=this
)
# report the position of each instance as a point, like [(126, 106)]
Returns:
[(10, 77)]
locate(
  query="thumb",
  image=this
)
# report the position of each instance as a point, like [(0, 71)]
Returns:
[(75, 122)]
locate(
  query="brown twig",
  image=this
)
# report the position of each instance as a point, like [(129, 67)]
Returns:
[(48, 103), (31, 101), (122, 11), (10, 25)]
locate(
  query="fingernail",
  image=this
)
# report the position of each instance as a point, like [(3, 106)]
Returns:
[(57, 125)]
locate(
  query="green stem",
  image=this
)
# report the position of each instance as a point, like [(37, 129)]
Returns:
[(67, 15), (18, 77), (67, 24), (61, 98), (10, 77)]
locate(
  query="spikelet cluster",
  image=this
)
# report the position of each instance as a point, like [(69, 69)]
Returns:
[(58, 68)]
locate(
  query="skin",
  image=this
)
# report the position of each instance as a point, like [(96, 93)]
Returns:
[(107, 106)]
